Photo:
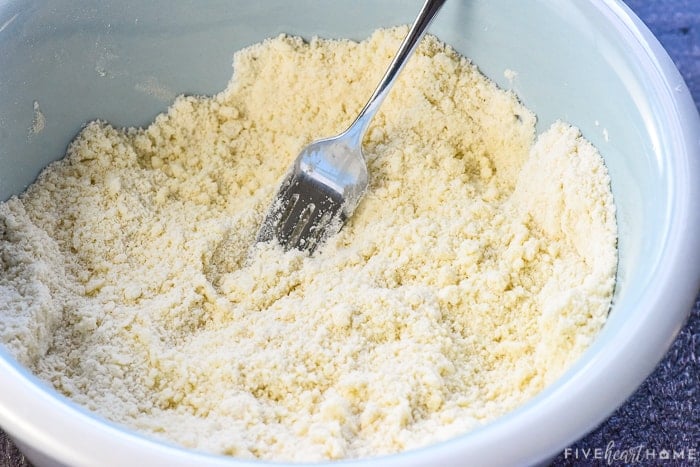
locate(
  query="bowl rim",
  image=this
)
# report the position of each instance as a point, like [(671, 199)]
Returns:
[(612, 371)]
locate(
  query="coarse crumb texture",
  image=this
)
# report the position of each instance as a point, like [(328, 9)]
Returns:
[(478, 267)]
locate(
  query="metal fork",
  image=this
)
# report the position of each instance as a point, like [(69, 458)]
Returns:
[(329, 176)]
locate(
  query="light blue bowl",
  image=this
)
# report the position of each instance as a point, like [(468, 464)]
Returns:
[(591, 63)]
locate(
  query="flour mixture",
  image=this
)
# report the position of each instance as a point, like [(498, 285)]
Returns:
[(477, 268)]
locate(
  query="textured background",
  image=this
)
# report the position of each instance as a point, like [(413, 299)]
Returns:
[(664, 413)]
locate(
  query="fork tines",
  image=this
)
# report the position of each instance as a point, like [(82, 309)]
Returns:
[(304, 213)]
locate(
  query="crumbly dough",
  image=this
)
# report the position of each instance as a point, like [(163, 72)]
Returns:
[(478, 267)]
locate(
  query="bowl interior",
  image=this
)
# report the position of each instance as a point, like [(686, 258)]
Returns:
[(125, 61)]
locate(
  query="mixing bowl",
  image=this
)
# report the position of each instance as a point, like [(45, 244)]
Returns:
[(591, 63)]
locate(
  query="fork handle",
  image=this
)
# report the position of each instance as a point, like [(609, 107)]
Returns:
[(408, 46)]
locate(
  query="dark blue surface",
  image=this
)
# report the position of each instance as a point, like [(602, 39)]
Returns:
[(676, 23), (662, 419)]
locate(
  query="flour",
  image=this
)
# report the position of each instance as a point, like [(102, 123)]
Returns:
[(478, 267), (38, 121)]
